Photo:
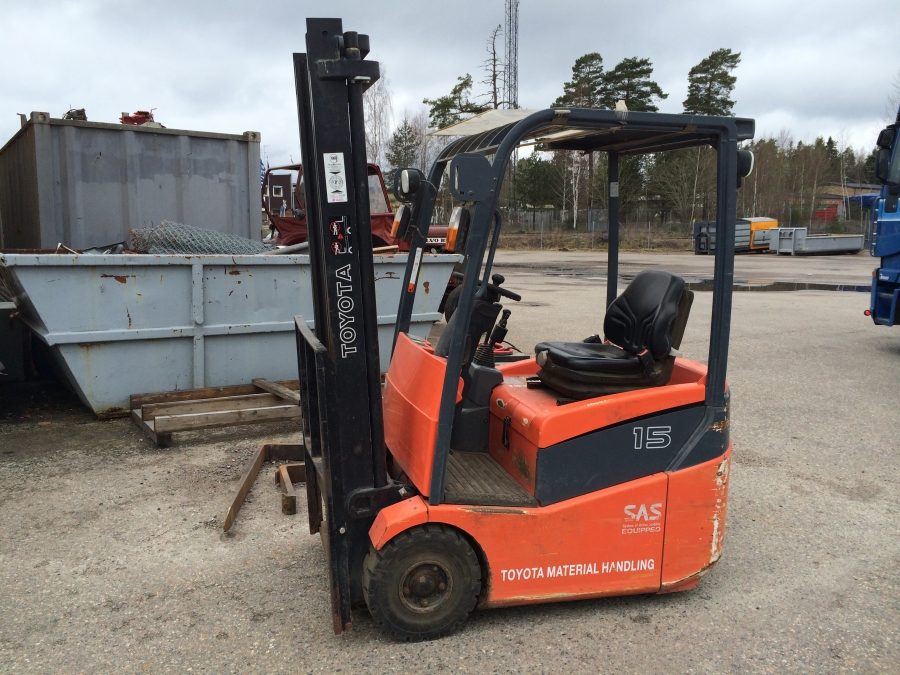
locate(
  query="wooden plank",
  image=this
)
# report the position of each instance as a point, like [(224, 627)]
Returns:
[(386, 249), (288, 496), (225, 418), (277, 389), (137, 400), (160, 440), (286, 452), (151, 411), (249, 475)]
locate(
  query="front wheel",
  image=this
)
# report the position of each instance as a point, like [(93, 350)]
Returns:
[(422, 584)]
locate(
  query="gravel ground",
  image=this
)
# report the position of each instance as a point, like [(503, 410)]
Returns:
[(113, 559)]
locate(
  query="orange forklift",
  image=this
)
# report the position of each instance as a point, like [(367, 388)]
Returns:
[(591, 469)]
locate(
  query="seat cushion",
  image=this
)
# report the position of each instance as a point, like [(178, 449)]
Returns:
[(581, 384), (588, 357)]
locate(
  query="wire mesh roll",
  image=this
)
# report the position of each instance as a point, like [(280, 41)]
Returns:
[(178, 238)]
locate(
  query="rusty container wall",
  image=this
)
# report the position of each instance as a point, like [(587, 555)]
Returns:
[(117, 325), (85, 184)]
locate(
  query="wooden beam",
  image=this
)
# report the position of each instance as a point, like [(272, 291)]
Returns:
[(288, 496), (286, 452), (151, 411), (225, 418), (160, 440), (137, 400), (249, 475), (277, 389)]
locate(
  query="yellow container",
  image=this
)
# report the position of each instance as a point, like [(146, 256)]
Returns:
[(757, 242)]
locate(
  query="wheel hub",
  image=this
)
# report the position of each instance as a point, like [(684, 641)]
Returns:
[(425, 586)]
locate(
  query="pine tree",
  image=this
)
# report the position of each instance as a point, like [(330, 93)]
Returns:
[(403, 148), (585, 88), (630, 81), (455, 106), (710, 83)]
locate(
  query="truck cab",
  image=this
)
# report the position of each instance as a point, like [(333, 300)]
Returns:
[(885, 242)]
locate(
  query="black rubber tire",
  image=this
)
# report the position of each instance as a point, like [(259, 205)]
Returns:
[(452, 302), (441, 552)]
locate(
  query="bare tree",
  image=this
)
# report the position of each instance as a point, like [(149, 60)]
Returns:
[(378, 109), (673, 178), (493, 69), (429, 146)]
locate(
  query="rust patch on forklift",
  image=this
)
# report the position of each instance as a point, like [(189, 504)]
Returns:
[(122, 279), (425, 285), (522, 467), (718, 534), (234, 273), (719, 426)]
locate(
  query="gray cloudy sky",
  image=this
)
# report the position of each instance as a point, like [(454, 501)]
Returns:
[(812, 68)]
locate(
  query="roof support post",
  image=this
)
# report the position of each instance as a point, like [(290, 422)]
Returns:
[(612, 264), (726, 207)]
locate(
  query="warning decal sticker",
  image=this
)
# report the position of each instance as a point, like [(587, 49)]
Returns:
[(335, 177)]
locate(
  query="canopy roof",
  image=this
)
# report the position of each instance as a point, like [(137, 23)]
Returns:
[(628, 133)]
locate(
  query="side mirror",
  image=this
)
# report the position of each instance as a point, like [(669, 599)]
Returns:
[(886, 138), (744, 165)]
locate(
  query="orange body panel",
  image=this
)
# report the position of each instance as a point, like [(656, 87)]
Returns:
[(539, 419), (411, 401), (695, 528), (395, 518), (659, 533), (584, 547)]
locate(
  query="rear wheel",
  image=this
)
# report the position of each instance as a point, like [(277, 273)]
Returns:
[(422, 584)]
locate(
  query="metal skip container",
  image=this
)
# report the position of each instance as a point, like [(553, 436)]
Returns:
[(119, 325), (796, 241), (85, 184)]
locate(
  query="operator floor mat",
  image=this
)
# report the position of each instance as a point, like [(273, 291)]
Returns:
[(477, 478)]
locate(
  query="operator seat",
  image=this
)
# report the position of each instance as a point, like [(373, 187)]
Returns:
[(641, 327)]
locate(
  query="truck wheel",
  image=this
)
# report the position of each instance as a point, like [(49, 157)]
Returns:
[(422, 584)]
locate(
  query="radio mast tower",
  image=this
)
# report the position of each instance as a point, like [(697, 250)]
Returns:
[(511, 77)]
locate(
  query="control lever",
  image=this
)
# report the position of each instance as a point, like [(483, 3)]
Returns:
[(498, 335), (484, 354), (495, 287)]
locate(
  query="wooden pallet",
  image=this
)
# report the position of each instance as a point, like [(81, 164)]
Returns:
[(160, 415)]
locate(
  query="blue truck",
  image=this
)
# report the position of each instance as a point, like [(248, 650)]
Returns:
[(885, 242)]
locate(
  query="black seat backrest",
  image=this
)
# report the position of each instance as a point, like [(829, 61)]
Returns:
[(641, 318)]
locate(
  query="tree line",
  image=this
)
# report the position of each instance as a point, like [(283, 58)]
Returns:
[(672, 188)]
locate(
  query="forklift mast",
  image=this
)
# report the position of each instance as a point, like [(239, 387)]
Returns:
[(344, 435)]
